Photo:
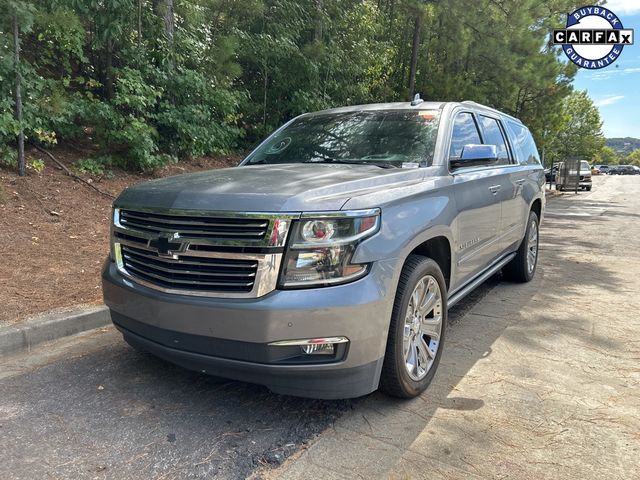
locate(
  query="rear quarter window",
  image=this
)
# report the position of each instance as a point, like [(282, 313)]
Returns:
[(523, 143)]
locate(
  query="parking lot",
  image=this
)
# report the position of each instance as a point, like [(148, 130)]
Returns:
[(537, 381)]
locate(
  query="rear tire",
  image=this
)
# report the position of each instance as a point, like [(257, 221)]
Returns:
[(588, 189), (417, 329), (523, 267)]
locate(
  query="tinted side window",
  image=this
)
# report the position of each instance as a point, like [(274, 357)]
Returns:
[(465, 132), (523, 143), (493, 136)]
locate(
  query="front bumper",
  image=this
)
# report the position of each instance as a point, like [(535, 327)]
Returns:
[(585, 182), (230, 337)]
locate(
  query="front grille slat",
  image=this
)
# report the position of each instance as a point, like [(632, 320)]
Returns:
[(200, 223), (147, 255), (199, 282), (179, 271), (249, 230), (187, 232)]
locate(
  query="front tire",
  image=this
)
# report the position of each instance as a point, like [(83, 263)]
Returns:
[(417, 330), (523, 267)]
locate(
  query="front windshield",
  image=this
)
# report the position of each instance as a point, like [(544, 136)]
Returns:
[(385, 138)]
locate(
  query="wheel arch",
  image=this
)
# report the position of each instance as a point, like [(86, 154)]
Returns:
[(437, 248), (536, 206)]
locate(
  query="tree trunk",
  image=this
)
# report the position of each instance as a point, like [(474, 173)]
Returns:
[(18, 94), (139, 25), (317, 34), (417, 30), (264, 96), (108, 71), (169, 23)]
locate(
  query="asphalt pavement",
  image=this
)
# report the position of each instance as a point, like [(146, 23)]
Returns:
[(537, 380)]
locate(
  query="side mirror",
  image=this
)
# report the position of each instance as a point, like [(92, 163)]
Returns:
[(475, 155)]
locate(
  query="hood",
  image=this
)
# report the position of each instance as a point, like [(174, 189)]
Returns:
[(267, 188)]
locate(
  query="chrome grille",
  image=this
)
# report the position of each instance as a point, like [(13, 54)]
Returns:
[(196, 226), (216, 254), (192, 273)]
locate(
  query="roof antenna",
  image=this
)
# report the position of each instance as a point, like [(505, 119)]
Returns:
[(416, 100)]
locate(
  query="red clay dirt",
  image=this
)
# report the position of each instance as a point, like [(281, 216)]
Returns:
[(54, 232)]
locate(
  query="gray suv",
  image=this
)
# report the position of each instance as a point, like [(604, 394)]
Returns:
[(324, 264)]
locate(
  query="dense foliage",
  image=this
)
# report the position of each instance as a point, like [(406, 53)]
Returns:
[(579, 134), (624, 145), (621, 150), (148, 81)]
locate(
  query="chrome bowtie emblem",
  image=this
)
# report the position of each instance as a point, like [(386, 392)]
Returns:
[(168, 245)]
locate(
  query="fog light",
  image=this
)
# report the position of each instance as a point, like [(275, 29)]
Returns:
[(313, 346), (318, 349)]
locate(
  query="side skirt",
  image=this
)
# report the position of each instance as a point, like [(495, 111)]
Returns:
[(475, 282)]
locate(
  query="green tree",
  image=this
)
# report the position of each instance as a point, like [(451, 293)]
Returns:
[(607, 156), (580, 134), (18, 21), (157, 80), (633, 158)]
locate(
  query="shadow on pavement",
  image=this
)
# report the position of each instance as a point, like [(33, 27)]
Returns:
[(522, 316), (117, 413)]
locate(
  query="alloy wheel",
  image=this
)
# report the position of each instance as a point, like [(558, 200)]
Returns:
[(532, 246), (422, 327)]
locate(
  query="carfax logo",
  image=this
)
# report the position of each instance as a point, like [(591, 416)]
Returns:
[(594, 37)]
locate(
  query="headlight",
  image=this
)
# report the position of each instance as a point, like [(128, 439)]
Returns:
[(321, 248)]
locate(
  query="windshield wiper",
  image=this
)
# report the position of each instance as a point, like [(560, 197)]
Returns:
[(352, 162)]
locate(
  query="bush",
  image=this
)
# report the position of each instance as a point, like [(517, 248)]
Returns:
[(154, 118), (8, 156), (197, 117), (94, 166)]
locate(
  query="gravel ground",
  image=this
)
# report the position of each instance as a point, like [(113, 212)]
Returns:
[(59, 232)]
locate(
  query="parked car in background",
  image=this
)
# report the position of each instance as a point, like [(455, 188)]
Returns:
[(637, 169), (604, 169), (323, 266), (624, 170), (550, 173), (563, 177)]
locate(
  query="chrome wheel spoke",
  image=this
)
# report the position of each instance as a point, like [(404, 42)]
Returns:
[(429, 302), (431, 327), (419, 293), (532, 246), (412, 358), (422, 354)]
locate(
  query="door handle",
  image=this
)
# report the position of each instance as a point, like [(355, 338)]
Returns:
[(495, 188), (521, 181)]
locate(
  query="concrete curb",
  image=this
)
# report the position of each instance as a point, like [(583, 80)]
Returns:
[(51, 326)]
